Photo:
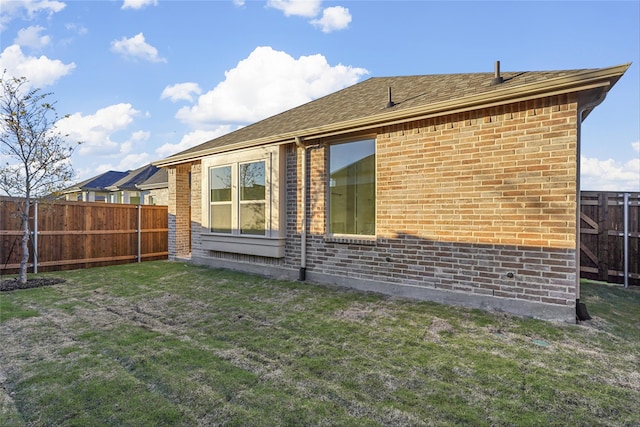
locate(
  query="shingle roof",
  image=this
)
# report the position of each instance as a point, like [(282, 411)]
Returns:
[(97, 183), (366, 102), (159, 179), (133, 178)]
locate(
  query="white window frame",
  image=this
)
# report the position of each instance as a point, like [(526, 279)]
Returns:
[(230, 203), (271, 244)]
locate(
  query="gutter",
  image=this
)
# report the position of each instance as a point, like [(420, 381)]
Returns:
[(303, 232)]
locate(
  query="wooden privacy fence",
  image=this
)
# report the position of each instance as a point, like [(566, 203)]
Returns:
[(73, 235), (610, 237)]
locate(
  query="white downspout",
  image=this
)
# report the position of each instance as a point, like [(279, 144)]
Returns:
[(303, 233)]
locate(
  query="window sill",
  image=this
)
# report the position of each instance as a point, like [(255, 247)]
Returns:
[(246, 245), (351, 240)]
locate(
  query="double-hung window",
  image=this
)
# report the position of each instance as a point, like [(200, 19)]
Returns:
[(252, 201), (352, 188), (238, 198), (241, 199), (220, 199)]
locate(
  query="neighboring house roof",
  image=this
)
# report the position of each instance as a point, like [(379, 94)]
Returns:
[(133, 178), (364, 105), (97, 183), (160, 179), (144, 178)]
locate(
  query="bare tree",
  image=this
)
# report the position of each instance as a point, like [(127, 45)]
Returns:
[(35, 155)]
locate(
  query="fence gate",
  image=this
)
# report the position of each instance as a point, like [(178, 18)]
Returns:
[(610, 236)]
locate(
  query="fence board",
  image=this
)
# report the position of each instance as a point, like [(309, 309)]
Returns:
[(78, 235), (602, 236), (74, 235)]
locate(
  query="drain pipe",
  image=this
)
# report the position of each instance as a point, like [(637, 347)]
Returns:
[(581, 308), (303, 233)]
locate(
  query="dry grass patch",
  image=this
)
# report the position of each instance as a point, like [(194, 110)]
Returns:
[(211, 347)]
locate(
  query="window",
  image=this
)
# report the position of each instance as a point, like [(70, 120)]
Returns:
[(251, 211), (220, 198), (115, 197), (241, 195), (252, 198), (134, 198), (352, 188)]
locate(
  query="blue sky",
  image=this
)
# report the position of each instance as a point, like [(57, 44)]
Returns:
[(144, 79)]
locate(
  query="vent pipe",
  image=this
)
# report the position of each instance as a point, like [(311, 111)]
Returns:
[(497, 79), (390, 103)]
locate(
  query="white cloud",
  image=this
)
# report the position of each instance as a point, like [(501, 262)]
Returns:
[(76, 28), (133, 161), (636, 146), (135, 140), (609, 175), (140, 135), (31, 37), (48, 6), (124, 159), (138, 4), (266, 83), (307, 8), (181, 91), (40, 71), (238, 3), (96, 131), (126, 163), (192, 139), (83, 173), (13, 9), (333, 19), (136, 48)]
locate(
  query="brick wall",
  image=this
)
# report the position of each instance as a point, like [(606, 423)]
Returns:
[(196, 209), (294, 192), (178, 209), (506, 175), (482, 202), (160, 196)]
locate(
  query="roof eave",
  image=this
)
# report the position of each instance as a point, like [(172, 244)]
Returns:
[(156, 186), (585, 80)]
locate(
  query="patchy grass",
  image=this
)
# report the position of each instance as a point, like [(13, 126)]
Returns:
[(9, 310), (163, 343)]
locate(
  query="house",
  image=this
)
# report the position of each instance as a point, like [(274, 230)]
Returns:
[(126, 190), (93, 189), (155, 189), (146, 185), (459, 188)]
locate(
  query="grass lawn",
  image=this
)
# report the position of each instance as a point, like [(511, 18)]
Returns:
[(164, 343)]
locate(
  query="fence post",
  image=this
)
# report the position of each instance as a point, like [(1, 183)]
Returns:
[(626, 240), (35, 237), (139, 232)]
